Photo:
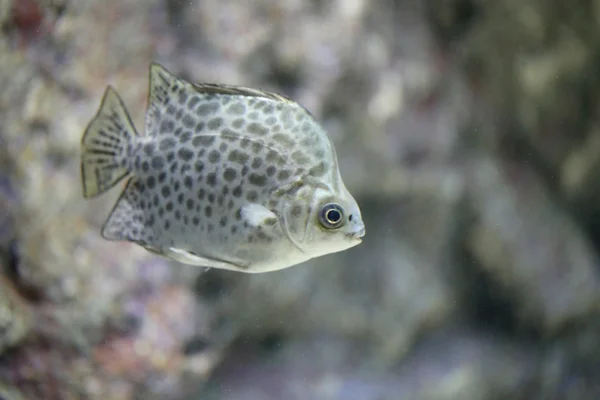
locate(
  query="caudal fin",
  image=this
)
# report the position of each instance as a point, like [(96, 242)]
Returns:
[(106, 145)]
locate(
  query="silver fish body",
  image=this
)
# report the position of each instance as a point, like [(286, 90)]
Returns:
[(224, 177)]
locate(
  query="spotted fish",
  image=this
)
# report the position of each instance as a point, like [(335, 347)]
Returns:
[(225, 177)]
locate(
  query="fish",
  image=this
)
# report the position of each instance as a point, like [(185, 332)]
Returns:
[(225, 176)]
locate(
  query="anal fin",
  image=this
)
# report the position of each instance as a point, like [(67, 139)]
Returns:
[(186, 257), (126, 221)]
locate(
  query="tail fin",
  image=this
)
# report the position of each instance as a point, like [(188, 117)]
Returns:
[(105, 146)]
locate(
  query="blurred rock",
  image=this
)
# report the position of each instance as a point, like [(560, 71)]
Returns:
[(448, 366), (531, 248)]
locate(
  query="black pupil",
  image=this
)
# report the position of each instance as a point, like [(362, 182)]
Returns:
[(333, 216)]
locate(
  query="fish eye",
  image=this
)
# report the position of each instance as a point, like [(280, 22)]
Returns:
[(331, 216)]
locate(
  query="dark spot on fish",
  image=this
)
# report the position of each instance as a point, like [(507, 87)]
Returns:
[(177, 215), (189, 204), (229, 174), (166, 126), (188, 182), (157, 162), (270, 170), (237, 191), (211, 198), (207, 109), (318, 170), (272, 156), (170, 156), (223, 221), (167, 143), (234, 229), (237, 156), (155, 200), (203, 140), (174, 167), (211, 179), (180, 198), (165, 191), (167, 225), (214, 157), (252, 196), (236, 109), (185, 137), (256, 162), (151, 182), (185, 154), (284, 140), (245, 170), (283, 175), (176, 186), (193, 102), (257, 179), (162, 177), (149, 149), (223, 147), (201, 193), (184, 168), (215, 123), (169, 206), (208, 211), (196, 221), (238, 123), (300, 158)]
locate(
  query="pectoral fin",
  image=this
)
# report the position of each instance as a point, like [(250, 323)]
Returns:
[(257, 215)]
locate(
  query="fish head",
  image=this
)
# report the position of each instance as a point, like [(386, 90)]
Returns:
[(321, 220)]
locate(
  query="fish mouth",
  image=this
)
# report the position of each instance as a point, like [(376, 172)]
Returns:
[(358, 235)]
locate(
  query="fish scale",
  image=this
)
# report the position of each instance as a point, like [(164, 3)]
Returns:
[(226, 177)]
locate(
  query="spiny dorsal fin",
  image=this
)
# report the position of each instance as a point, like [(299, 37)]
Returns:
[(161, 82)]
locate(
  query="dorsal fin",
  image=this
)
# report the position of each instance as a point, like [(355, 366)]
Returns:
[(217, 88), (163, 82)]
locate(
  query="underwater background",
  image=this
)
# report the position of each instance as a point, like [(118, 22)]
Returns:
[(467, 130)]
